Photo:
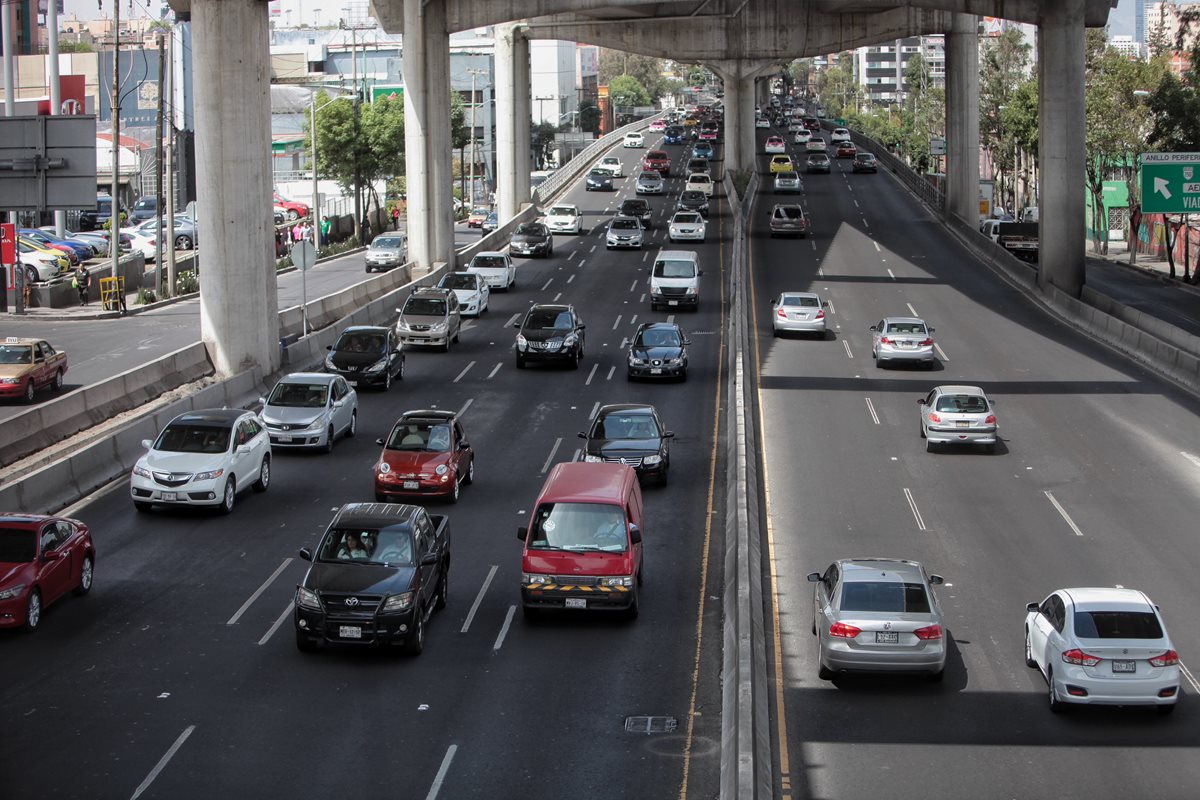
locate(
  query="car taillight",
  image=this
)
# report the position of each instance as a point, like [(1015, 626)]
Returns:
[(820, 315), (781, 314), (1076, 656), (1167, 659), (933, 417), (844, 631), (928, 633), (991, 420), (884, 340), (926, 343)]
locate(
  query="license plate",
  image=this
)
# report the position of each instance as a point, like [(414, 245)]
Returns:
[(1124, 666), (349, 631), (412, 485), (169, 496), (655, 371), (672, 302), (962, 424), (352, 383), (887, 637), (576, 602), (285, 439)]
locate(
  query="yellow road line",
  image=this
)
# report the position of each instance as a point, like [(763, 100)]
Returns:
[(708, 516)]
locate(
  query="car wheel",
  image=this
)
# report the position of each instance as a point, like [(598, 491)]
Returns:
[(368, 269), (387, 380), (328, 448), (400, 374), (87, 571), (183, 243), (58, 381), (878, 363), (353, 429), (264, 470), (292, 214), (929, 446), (304, 643), (416, 640), (228, 496), (938, 677), (1056, 706), (575, 361), (520, 361), (921, 427), (824, 673), (1029, 660), (469, 478), (446, 346), (631, 613), (454, 490), (143, 507), (443, 588), (29, 390), (33, 611)]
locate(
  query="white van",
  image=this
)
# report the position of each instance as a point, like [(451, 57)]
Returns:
[(675, 280)]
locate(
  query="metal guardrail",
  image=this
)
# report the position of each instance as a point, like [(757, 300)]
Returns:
[(923, 189), (583, 161)]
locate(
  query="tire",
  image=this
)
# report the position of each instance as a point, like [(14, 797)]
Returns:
[(930, 446), (292, 214), (264, 470), (143, 507), (304, 643), (368, 272), (227, 499), (469, 478), (575, 361), (353, 429), (33, 612), (990, 449), (632, 612), (663, 480), (328, 448), (183, 243), (824, 673), (520, 361), (400, 374), (939, 676), (58, 381), (86, 574), (1029, 660), (455, 490), (387, 380), (443, 588), (878, 363), (415, 643), (921, 429), (29, 391), (1056, 706), (446, 346)]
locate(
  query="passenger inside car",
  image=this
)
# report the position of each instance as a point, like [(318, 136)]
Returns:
[(352, 548)]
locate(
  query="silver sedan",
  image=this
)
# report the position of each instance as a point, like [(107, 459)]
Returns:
[(310, 410), (878, 615), (649, 182), (902, 339), (799, 312), (958, 415)]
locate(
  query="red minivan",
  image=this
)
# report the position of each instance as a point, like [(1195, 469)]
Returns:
[(583, 547)]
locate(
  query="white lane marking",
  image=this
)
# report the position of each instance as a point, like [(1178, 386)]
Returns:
[(546, 285), (441, 773), (846, 345), (878, 249), (593, 249), (479, 598), (555, 300), (591, 375), (103, 491), (831, 308), (275, 626), (1187, 673), (912, 504), (856, 205), (891, 273), (633, 320), (645, 255), (575, 456), (162, 762), (670, 318), (595, 408), (642, 299), (466, 369), (611, 370), (572, 254), (616, 322), (1063, 513), (912, 310), (941, 353), (1194, 459), (511, 320), (866, 223), (238, 614), (549, 458), (465, 406), (633, 286), (871, 408), (495, 369), (571, 277), (504, 629)]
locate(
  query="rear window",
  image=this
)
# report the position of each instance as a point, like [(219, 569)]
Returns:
[(1117, 625), (626, 223), (789, 212), (885, 596), (487, 262), (459, 280), (17, 546), (905, 327), (962, 404), (802, 302)]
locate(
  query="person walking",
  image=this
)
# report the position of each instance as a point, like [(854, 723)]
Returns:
[(82, 282), (297, 233), (395, 218), (326, 226)]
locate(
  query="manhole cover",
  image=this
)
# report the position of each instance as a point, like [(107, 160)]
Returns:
[(650, 724)]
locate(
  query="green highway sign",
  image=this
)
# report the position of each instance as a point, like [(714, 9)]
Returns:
[(1170, 183)]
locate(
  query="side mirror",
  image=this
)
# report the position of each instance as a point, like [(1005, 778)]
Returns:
[(379, 442), (339, 403), (668, 435), (306, 554), (429, 559), (873, 328), (147, 443), (399, 310), (582, 435), (328, 347), (687, 341), (243, 449), (932, 330), (700, 272), (262, 401), (635, 534), (936, 580), (1032, 608), (814, 577), (920, 401), (464, 445), (522, 533), (824, 304), (517, 324), (51, 555), (582, 327)]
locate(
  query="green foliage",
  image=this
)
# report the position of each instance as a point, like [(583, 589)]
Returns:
[(837, 87), (1175, 102), (145, 297), (589, 117), (646, 71), (76, 47), (459, 133), (543, 141), (186, 283), (626, 90)]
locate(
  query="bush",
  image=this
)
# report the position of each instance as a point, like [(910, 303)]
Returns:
[(186, 283), (741, 180), (145, 296)]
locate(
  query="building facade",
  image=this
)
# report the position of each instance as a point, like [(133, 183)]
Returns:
[(881, 68)]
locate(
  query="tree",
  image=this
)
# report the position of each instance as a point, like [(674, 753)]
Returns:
[(647, 71), (589, 117), (543, 142), (1003, 67), (76, 47), (625, 90), (837, 87)]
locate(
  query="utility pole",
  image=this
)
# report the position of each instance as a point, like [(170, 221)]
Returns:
[(158, 172), (471, 134), (170, 170), (358, 98), (60, 216), (114, 220)]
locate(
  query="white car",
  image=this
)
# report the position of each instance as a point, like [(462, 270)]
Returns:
[(815, 145), (1102, 646), (496, 269), (687, 226), (203, 458), (762, 122), (633, 139), (310, 410), (611, 165), (839, 135), (802, 136), (564, 218), (471, 290), (39, 265), (775, 144), (699, 182)]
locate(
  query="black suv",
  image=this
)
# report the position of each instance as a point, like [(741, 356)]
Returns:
[(634, 207), (632, 434), (377, 575), (550, 333), (366, 355), (658, 350)]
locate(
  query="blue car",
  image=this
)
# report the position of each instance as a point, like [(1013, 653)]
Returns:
[(598, 181), (673, 134), (82, 251), (702, 150)]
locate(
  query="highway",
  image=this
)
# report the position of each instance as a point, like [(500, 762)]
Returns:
[(178, 676), (1096, 482)]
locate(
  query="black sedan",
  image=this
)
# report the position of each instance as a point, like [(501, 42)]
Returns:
[(598, 181), (658, 350), (636, 207), (531, 239), (366, 355), (693, 200), (550, 332), (630, 433)]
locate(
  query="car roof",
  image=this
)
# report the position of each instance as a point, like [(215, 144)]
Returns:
[(584, 482), (366, 329), (374, 514), (425, 291), (1108, 599), (571, 206), (427, 413), (559, 307), (799, 294), (308, 377), (625, 408), (490, 253), (20, 340), (658, 326), (958, 389), (212, 416), (888, 320), (30, 521), (876, 569), (688, 254)]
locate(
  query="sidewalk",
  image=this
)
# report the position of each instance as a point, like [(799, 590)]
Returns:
[(1118, 252), (1145, 286)]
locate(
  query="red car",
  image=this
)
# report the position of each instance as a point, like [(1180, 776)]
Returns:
[(846, 150), (812, 123), (657, 160), (294, 210), (41, 559), (425, 455)]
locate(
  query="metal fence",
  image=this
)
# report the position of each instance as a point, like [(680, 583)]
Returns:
[(576, 166)]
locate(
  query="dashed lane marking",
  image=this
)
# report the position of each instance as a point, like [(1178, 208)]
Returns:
[(871, 408), (553, 452), (479, 599), (1063, 513), (465, 370), (912, 504)]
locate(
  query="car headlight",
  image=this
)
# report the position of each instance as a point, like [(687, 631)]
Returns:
[(617, 580), (316, 425), (329, 363), (652, 460), (141, 471), (441, 469), (211, 475), (689, 290), (384, 468), (377, 366), (401, 325), (571, 341), (529, 578), (591, 459), (10, 380), (398, 602), (306, 598), (439, 327), (636, 361), (674, 361), (521, 342), (12, 591)]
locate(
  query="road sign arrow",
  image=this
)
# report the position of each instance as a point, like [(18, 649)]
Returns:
[(1160, 187)]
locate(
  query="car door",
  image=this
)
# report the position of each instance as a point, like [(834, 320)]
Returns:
[(1041, 631), (41, 365), (823, 593), (511, 271), (423, 539), (244, 460), (54, 565), (343, 413), (459, 449)]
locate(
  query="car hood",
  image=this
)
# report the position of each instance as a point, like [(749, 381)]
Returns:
[(10, 572), (336, 577), (422, 319), (544, 334), (629, 448), (562, 562), (407, 461), (291, 415), (344, 358), (527, 238), (14, 370), (162, 461), (466, 295), (656, 353)]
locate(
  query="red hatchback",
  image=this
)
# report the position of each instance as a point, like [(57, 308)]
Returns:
[(425, 455), (846, 150), (659, 161), (41, 559)]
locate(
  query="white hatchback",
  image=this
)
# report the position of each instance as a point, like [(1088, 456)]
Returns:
[(687, 226)]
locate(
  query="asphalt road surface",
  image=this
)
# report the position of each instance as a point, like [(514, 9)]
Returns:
[(178, 674), (1096, 483)]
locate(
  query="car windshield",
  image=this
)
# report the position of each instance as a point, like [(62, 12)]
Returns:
[(885, 596), (699, 177), (531, 228), (597, 173), (190, 437), (802, 302), (674, 268), (579, 526), (659, 337), (459, 280), (16, 354), (17, 546), (962, 403), (387, 545), (387, 243), (547, 319), (563, 211), (425, 307), (633, 208), (692, 194), (905, 327), (487, 262), (299, 395), (360, 342), (1117, 625), (626, 223), (864, 157), (650, 176), (430, 436), (625, 426)]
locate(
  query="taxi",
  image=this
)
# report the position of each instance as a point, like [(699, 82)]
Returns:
[(44, 252), (782, 164), (775, 144), (27, 365)]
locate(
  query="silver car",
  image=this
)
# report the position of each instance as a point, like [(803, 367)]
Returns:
[(310, 410), (787, 182), (387, 252), (798, 312), (878, 615), (430, 317), (958, 415), (649, 182), (902, 339), (624, 232), (687, 225)]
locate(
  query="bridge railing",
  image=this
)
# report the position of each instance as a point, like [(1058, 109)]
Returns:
[(929, 194), (581, 162)]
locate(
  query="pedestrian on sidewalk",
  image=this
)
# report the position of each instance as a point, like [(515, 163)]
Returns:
[(395, 218), (307, 233), (326, 226), (82, 282), (297, 233)]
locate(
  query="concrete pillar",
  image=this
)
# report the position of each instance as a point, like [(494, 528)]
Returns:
[(522, 114), (962, 118), (440, 156), (1061, 111), (239, 319), (417, 129), (506, 124)]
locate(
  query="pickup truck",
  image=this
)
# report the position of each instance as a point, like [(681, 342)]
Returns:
[(1019, 238), (377, 575)]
